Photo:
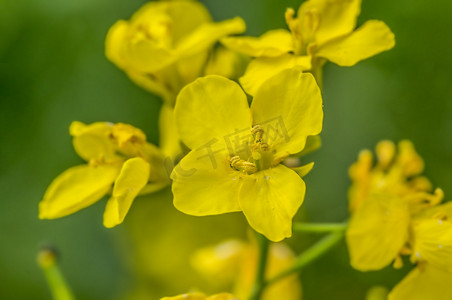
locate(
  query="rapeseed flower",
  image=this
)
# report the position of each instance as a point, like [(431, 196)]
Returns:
[(431, 249), (394, 213), (426, 281), (383, 199), (234, 262), (166, 44), (237, 150), (119, 160), (324, 30)]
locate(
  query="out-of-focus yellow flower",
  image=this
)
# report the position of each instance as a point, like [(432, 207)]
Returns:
[(235, 263), (118, 156), (432, 237), (323, 30), (382, 200), (426, 281), (199, 296), (220, 263), (223, 62), (394, 213), (377, 293), (166, 44), (431, 248), (237, 150)]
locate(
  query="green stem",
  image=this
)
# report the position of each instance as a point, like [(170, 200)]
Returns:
[(310, 255), (48, 262), (319, 227), (259, 283)]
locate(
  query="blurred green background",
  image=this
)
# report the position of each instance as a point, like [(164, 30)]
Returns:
[(53, 71)]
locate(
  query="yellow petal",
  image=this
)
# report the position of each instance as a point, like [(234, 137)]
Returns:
[(133, 177), (368, 40), (433, 242), (328, 19), (377, 232), (204, 183), (443, 211), (154, 85), (143, 55), (211, 107), (189, 68), (219, 263), (186, 17), (270, 198), (93, 141), (281, 258), (75, 189), (261, 69), (424, 282), (289, 107), (191, 296), (114, 41), (272, 43), (302, 171), (169, 137), (408, 159), (359, 173), (154, 29), (313, 143), (161, 25), (207, 34), (226, 63), (385, 151)]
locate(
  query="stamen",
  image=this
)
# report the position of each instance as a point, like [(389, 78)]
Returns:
[(241, 165), (257, 131), (294, 26)]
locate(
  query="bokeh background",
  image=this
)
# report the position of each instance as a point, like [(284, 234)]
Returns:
[(53, 71)]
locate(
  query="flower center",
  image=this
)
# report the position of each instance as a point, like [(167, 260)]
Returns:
[(258, 152), (303, 28)]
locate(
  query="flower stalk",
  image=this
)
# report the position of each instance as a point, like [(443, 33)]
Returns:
[(47, 260), (310, 255), (319, 227), (259, 283)]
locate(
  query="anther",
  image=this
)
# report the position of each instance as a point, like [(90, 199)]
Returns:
[(257, 131), (241, 165)]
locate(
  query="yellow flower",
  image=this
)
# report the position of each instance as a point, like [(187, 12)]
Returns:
[(426, 281), (383, 199), (235, 262), (237, 150), (166, 44), (431, 248), (199, 296), (323, 30), (394, 214), (117, 155)]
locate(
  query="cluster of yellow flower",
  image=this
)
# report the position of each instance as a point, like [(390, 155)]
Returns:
[(394, 213), (231, 153)]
